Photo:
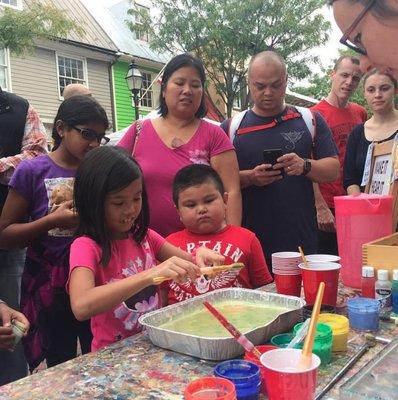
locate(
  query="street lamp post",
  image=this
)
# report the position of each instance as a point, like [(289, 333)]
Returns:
[(134, 82)]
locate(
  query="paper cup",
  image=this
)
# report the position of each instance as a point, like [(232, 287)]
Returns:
[(284, 381), (288, 284), (322, 258), (315, 274)]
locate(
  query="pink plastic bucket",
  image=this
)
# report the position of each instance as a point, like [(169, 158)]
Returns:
[(359, 219)]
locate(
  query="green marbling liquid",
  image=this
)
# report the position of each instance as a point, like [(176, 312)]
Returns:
[(243, 315)]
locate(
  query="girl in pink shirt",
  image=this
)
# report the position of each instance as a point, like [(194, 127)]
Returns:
[(113, 258)]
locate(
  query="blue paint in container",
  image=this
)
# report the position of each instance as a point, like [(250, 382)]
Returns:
[(363, 314), (245, 376)]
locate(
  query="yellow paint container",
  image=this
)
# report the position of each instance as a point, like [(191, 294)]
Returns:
[(340, 327)]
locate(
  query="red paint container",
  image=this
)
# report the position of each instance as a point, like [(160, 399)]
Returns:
[(252, 358), (210, 388)]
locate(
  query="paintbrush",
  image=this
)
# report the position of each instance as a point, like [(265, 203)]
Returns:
[(206, 271), (306, 354), (240, 337), (304, 258)]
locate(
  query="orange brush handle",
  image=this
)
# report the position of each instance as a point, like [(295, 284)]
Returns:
[(309, 339)]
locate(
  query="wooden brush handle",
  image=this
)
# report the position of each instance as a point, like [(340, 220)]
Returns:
[(204, 271), (309, 339)]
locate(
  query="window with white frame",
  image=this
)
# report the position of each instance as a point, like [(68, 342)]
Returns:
[(4, 69), (237, 87), (146, 100), (142, 35), (70, 70), (12, 3)]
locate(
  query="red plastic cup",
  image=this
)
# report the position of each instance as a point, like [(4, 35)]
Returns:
[(283, 378), (288, 284), (316, 273), (210, 388), (252, 358)]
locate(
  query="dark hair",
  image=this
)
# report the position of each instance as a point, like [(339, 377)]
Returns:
[(194, 175), (354, 60), (378, 71), (181, 61), (78, 110), (105, 170), (380, 9)]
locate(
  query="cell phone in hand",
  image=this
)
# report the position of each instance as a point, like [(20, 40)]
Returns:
[(270, 156)]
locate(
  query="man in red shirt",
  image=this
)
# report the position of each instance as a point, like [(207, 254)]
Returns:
[(341, 116)]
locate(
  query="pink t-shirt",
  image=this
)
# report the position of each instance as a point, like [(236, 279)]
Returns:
[(128, 258), (160, 163)]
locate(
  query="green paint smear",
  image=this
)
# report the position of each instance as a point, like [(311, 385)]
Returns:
[(243, 315)]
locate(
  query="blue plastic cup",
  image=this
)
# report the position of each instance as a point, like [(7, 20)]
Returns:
[(245, 376), (363, 314)]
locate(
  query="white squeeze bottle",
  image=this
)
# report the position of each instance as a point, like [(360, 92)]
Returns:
[(383, 289)]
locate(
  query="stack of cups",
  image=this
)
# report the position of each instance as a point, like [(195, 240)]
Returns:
[(287, 273)]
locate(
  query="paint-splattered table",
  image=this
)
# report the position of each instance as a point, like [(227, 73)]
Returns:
[(136, 369)]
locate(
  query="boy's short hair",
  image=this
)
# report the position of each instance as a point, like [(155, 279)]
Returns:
[(194, 175)]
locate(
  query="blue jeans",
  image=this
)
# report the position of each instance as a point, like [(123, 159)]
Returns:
[(12, 364)]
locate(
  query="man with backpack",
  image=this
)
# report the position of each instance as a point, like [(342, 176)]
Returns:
[(281, 151)]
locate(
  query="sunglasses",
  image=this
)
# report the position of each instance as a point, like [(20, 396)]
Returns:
[(90, 135), (345, 40)]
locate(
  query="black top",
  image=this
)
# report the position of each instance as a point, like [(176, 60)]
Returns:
[(281, 214), (355, 157), (13, 112)]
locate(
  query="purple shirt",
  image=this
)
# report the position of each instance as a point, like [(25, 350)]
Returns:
[(160, 163), (44, 185)]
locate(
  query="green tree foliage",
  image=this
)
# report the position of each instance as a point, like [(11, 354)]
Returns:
[(319, 84), (20, 28), (225, 33)]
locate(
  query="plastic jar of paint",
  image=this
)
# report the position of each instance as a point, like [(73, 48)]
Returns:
[(245, 376), (340, 328), (210, 387), (363, 313), (252, 358), (282, 340), (322, 342)]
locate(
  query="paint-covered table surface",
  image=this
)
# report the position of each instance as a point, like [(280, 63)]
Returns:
[(136, 369)]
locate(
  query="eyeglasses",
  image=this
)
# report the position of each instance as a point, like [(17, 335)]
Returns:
[(358, 48), (90, 135)]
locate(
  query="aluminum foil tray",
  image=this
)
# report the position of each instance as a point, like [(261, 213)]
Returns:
[(220, 348)]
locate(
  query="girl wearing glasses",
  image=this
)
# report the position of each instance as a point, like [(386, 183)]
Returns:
[(41, 189), (379, 92)]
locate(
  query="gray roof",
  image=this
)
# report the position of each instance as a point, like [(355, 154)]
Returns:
[(93, 34), (112, 19)]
